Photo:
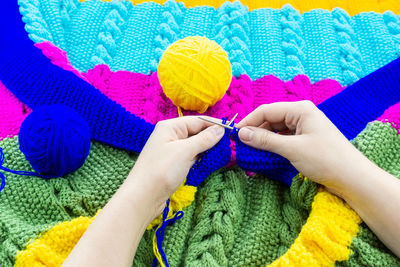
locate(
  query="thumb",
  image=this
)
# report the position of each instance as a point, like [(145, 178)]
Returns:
[(265, 140), (204, 140)]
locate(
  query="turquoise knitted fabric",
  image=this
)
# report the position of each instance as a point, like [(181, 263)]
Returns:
[(319, 43)]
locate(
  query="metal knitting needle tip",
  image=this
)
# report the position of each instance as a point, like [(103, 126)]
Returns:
[(217, 123), (234, 117)]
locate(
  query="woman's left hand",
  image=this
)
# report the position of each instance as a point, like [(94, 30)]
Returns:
[(168, 155)]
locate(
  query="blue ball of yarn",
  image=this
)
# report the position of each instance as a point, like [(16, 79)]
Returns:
[(55, 140)]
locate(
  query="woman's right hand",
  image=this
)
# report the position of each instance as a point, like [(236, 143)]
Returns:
[(300, 132)]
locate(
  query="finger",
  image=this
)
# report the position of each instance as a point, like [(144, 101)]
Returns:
[(265, 140), (183, 126), (274, 127), (276, 113), (203, 141)]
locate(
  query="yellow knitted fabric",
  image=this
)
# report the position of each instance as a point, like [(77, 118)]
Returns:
[(326, 236), (353, 7), (54, 246), (183, 197), (323, 240)]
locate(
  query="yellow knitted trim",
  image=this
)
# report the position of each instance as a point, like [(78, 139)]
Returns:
[(183, 197), (352, 7), (323, 240), (54, 246), (326, 236)]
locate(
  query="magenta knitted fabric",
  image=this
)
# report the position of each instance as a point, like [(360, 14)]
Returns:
[(142, 94), (392, 116), (12, 113)]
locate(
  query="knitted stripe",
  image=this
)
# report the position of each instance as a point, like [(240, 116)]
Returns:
[(350, 110), (114, 125), (143, 96), (34, 80), (48, 250), (29, 205), (12, 113), (352, 7), (392, 115), (323, 240), (325, 237), (319, 44), (235, 220)]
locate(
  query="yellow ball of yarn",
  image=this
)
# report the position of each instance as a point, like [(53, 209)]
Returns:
[(194, 73)]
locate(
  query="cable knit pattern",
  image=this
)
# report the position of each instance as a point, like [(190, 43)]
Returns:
[(351, 6), (111, 33), (142, 94), (67, 7), (231, 32), (245, 214), (350, 60), (393, 24), (35, 24), (293, 43), (260, 42), (168, 31)]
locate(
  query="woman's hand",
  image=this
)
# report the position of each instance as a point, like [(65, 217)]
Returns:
[(113, 236), (170, 152), (318, 150), (300, 132)]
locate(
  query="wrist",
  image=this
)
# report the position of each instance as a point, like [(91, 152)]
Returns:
[(354, 175), (143, 196)]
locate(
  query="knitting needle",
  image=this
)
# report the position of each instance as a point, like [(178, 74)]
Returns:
[(217, 123), (234, 117)]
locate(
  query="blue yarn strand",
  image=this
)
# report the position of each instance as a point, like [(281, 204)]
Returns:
[(160, 232), (25, 173)]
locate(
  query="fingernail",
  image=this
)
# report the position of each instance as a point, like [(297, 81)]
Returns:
[(246, 134), (218, 130)]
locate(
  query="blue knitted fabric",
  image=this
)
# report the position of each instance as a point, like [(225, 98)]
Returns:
[(350, 111), (35, 81), (282, 42), (31, 77)]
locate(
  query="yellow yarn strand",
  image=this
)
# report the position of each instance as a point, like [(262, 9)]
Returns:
[(180, 112), (194, 73)]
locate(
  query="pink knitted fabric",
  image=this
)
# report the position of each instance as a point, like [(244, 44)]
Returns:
[(392, 116), (12, 113), (142, 94)]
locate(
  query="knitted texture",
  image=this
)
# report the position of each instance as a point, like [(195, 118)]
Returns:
[(143, 96), (133, 132), (319, 43), (235, 220), (12, 113), (352, 7), (350, 110), (36, 81)]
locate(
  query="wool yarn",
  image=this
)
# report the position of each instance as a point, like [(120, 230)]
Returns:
[(194, 73), (112, 124), (55, 140), (350, 111), (320, 43), (351, 6), (235, 220)]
